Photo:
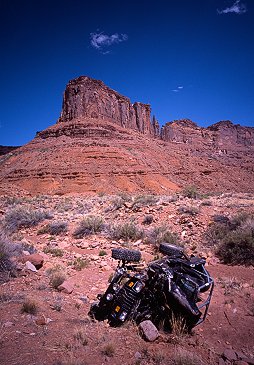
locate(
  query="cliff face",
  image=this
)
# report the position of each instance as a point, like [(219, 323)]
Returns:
[(85, 97), (89, 98), (220, 136)]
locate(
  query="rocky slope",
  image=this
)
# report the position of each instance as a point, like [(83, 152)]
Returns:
[(103, 143)]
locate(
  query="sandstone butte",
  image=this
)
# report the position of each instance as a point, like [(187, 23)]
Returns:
[(104, 143)]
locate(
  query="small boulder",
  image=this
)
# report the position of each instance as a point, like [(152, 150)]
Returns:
[(148, 331), (30, 266), (230, 355), (37, 260), (66, 287)]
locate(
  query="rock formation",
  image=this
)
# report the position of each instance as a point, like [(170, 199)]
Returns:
[(103, 143), (89, 98)]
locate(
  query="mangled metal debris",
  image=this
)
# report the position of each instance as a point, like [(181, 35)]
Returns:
[(167, 289)]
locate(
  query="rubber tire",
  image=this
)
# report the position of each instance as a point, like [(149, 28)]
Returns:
[(170, 250), (125, 254)]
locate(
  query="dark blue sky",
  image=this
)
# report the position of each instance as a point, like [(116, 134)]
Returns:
[(187, 58)]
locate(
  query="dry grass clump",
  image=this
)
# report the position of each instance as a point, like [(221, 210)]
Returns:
[(127, 231), (80, 336), (54, 251), (79, 263), (191, 191), (6, 252), (29, 306), (57, 276), (89, 225), (188, 209), (108, 350), (144, 200), (178, 326), (24, 217), (163, 234), (230, 285), (184, 357), (148, 219), (54, 228)]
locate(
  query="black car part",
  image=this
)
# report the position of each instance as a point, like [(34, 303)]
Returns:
[(171, 286)]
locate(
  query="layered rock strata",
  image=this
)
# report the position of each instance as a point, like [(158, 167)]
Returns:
[(89, 98)]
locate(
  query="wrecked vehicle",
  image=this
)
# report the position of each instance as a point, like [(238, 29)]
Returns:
[(169, 288)]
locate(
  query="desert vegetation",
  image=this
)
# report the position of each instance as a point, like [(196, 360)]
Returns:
[(73, 236)]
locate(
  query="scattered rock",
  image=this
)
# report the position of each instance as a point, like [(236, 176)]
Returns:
[(30, 266), (8, 324), (84, 299), (66, 287), (229, 354), (138, 355), (148, 331), (41, 320), (221, 361), (35, 259)]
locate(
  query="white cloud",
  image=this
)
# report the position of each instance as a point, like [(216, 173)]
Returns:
[(102, 41), (237, 8), (179, 88)]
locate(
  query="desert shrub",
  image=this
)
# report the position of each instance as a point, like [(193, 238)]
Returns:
[(79, 263), (24, 217), (207, 203), (108, 350), (237, 247), (127, 231), (163, 234), (148, 219), (54, 228), (89, 225), (64, 205), (6, 252), (80, 336), (29, 306), (178, 326), (187, 209), (54, 251), (230, 285), (190, 191), (144, 200), (184, 357), (233, 238), (57, 276), (102, 253)]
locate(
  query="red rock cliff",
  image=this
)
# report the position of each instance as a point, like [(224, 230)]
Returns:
[(86, 97)]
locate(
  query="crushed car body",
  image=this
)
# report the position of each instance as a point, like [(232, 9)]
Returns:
[(174, 286)]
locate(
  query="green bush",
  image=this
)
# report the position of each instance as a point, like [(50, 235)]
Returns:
[(24, 217), (89, 225), (127, 231)]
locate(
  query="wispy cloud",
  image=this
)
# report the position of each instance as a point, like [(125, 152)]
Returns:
[(102, 41), (237, 8), (179, 88)]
